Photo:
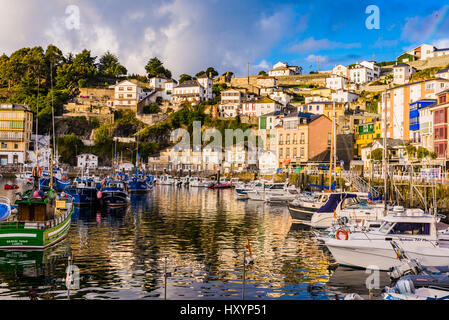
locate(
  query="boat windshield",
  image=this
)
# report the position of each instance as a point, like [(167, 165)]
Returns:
[(385, 227), (277, 186)]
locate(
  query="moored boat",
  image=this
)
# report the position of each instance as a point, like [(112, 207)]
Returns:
[(41, 221), (114, 194)]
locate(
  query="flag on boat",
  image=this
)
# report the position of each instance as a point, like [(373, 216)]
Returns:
[(138, 155), (335, 214)]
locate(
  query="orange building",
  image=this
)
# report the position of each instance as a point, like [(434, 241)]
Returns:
[(302, 136), (398, 100)]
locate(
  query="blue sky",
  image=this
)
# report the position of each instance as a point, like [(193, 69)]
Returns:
[(191, 35)]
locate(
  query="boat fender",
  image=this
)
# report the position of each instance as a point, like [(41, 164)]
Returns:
[(36, 172), (342, 232), (99, 194)]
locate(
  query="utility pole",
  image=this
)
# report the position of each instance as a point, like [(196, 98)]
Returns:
[(248, 73)]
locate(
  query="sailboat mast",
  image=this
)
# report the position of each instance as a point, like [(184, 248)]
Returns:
[(384, 154), (332, 151), (334, 128), (53, 113)]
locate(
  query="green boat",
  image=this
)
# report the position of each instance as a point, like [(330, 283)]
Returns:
[(41, 221)]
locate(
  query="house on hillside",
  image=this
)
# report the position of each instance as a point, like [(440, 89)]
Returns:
[(284, 69)]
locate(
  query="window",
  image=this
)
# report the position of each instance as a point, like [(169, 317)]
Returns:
[(16, 146), (280, 153), (4, 145), (302, 138), (411, 228), (301, 152), (287, 141), (287, 153), (281, 142), (329, 138), (294, 154)]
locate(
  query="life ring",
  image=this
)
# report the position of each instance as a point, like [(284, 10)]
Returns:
[(36, 172), (341, 231)]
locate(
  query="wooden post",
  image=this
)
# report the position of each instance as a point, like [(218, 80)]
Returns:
[(244, 274), (165, 278)]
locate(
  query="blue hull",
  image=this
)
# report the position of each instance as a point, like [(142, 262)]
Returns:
[(57, 184), (114, 198), (83, 196)]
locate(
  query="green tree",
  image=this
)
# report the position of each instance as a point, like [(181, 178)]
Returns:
[(68, 146), (151, 108), (155, 68), (184, 77), (101, 135), (263, 73), (110, 66)]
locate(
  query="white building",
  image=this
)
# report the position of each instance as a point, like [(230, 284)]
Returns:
[(336, 82), (158, 82), (268, 162), (281, 97), (230, 104), (361, 73), (284, 69), (43, 143), (128, 94), (443, 73), (193, 90), (344, 96), (402, 73), (340, 70), (87, 160), (258, 107), (315, 98)]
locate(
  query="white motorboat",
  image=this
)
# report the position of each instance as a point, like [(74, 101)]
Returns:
[(413, 230), (276, 189), (26, 176), (166, 180), (305, 204), (289, 194), (346, 206), (195, 182)]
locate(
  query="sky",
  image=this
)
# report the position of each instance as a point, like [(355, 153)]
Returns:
[(191, 35)]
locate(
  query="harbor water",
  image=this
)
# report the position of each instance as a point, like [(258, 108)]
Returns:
[(199, 236)]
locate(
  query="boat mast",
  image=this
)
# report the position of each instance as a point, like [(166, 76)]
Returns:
[(384, 153), (334, 128), (53, 113), (332, 149)]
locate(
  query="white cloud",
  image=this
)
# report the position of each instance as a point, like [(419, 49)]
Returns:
[(310, 45), (188, 36), (418, 29), (262, 65), (441, 43)]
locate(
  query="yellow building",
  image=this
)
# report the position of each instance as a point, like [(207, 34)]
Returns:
[(366, 133), (16, 125)]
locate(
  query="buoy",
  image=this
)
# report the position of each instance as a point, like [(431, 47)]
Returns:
[(99, 194)]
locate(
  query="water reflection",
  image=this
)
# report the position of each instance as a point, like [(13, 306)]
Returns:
[(120, 252)]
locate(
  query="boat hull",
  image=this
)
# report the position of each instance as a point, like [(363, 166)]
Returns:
[(27, 236), (301, 213), (115, 199)]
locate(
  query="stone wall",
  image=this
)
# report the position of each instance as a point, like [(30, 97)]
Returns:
[(151, 119)]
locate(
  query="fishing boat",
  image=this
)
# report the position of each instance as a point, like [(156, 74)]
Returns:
[(5, 208), (25, 176), (41, 220), (114, 194), (195, 182), (415, 231), (83, 192), (140, 184)]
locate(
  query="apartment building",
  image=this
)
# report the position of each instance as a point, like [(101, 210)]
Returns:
[(397, 100), (301, 137), (16, 125)]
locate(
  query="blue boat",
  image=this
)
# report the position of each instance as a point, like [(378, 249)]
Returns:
[(114, 194), (83, 192), (58, 185), (140, 183)]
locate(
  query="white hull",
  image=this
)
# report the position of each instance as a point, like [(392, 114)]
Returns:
[(365, 254)]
